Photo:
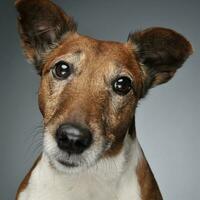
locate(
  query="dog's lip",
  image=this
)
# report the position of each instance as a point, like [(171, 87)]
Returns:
[(67, 164)]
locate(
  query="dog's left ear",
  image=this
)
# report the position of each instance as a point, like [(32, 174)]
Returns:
[(160, 53), (42, 25)]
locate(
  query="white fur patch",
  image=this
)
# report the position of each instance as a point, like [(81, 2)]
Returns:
[(87, 159), (109, 179)]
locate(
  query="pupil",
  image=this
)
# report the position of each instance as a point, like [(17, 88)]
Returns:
[(62, 70), (122, 85)]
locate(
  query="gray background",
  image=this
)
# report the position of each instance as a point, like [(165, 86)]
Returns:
[(168, 120)]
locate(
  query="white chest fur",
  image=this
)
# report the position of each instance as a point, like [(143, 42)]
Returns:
[(113, 178)]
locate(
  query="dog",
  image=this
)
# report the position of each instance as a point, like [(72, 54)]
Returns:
[(88, 95)]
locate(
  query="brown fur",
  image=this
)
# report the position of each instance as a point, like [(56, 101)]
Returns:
[(148, 185), (150, 57), (25, 182)]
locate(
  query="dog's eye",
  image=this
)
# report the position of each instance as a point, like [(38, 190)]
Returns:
[(61, 70), (122, 85)]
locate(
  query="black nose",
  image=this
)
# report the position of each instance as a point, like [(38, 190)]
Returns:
[(73, 139)]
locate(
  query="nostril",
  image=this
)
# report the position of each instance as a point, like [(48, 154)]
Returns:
[(64, 140), (73, 138)]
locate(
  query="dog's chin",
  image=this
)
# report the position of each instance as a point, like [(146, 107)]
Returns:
[(63, 162), (71, 166), (66, 167)]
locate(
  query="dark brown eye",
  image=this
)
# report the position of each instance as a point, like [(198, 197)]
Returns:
[(62, 70), (122, 85)]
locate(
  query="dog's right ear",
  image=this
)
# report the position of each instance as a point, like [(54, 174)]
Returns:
[(42, 25)]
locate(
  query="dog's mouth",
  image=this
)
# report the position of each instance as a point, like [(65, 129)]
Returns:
[(85, 160), (68, 164)]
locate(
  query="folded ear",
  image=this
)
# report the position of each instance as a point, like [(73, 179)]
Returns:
[(160, 52), (42, 26)]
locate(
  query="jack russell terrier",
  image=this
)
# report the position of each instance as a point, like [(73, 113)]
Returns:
[(88, 95)]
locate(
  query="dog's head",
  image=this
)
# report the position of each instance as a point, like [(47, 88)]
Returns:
[(90, 88)]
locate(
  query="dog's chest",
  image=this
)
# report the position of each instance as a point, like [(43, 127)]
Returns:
[(82, 188), (46, 184)]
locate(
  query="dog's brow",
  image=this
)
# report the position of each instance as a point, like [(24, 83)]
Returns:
[(120, 69), (71, 57)]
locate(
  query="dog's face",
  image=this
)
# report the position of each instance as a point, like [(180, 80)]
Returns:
[(89, 88), (98, 90), (93, 85)]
